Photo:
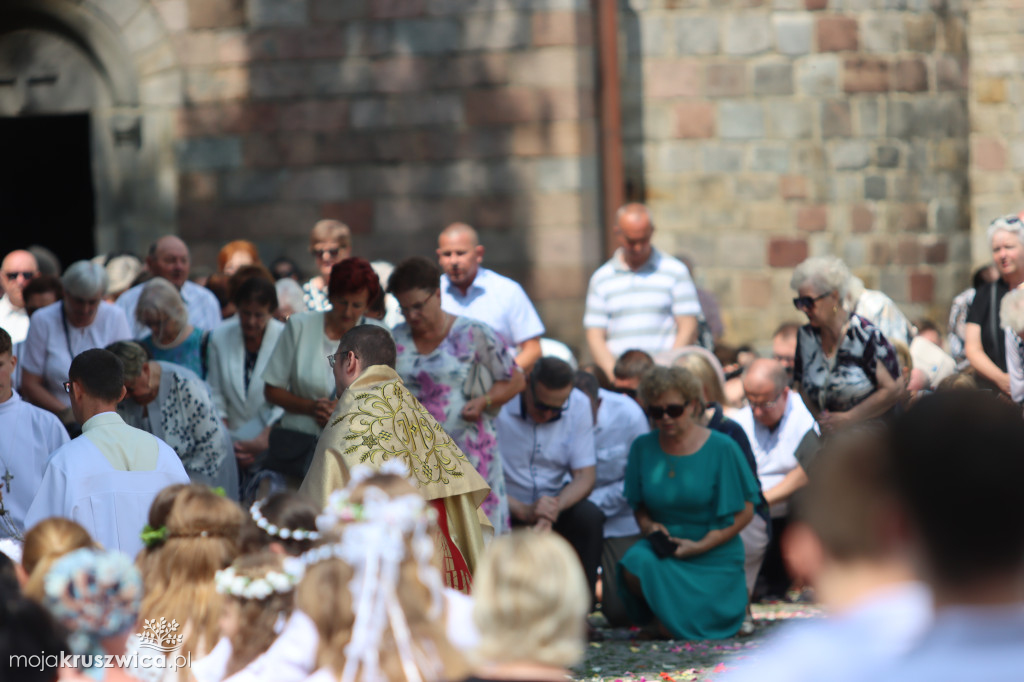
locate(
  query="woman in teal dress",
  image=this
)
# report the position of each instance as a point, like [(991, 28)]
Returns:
[(172, 338), (693, 485)]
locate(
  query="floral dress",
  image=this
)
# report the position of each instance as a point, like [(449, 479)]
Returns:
[(437, 378)]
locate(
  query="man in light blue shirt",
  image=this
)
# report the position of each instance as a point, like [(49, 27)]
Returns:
[(483, 295), (547, 438)]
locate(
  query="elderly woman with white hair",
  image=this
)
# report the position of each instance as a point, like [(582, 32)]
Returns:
[(984, 340), (171, 337), (62, 330), (1011, 315), (845, 368)]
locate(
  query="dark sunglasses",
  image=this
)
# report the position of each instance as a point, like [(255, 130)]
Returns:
[(11, 276), (544, 407), (631, 392), (673, 411), (321, 253), (807, 302)]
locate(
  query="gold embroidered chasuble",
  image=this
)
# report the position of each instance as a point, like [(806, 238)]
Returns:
[(377, 419)]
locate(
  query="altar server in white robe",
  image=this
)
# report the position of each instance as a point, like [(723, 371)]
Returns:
[(30, 434), (106, 478)]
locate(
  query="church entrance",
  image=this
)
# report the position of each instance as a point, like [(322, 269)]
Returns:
[(46, 185)]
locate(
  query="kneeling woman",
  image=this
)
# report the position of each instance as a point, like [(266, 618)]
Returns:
[(692, 485)]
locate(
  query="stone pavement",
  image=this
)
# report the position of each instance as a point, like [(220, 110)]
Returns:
[(622, 658)]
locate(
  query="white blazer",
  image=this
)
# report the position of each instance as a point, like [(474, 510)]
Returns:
[(247, 412)]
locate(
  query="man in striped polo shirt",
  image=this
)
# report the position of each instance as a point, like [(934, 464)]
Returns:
[(641, 298)]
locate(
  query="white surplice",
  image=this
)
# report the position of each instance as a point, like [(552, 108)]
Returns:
[(106, 480), (29, 435)]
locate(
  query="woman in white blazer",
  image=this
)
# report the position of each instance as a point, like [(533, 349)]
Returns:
[(238, 353)]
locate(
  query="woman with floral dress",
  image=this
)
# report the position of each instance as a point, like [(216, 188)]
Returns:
[(438, 353)]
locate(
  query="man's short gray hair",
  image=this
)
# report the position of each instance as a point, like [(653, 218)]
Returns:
[(1006, 223), (1011, 311), (85, 279), (825, 273)]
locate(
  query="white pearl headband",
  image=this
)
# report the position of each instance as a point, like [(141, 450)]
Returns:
[(283, 533)]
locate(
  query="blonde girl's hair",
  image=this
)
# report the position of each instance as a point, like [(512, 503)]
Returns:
[(152, 569), (257, 618), (202, 538), (530, 601), (325, 595), (47, 541)]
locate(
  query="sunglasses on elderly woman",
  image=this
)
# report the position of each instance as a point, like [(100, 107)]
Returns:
[(807, 302), (673, 411), (324, 253)]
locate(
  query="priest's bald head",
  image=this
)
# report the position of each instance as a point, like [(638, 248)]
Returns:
[(360, 348), (96, 383)]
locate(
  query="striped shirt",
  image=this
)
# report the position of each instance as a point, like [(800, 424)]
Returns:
[(638, 307)]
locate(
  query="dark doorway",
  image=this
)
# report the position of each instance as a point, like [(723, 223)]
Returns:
[(46, 189)]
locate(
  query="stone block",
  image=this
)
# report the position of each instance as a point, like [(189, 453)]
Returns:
[(836, 34), (330, 11), (695, 119), (773, 78), (396, 9), (426, 36), (887, 156), (740, 120), (812, 218), (862, 219), (407, 111), (722, 159), (550, 29), (174, 14), (990, 90), (910, 75), (551, 67), (400, 74), (899, 118), (950, 74), (793, 187), (818, 75), (748, 33), (790, 119), (519, 105), (725, 80), (851, 155), (466, 71), (922, 287), (912, 218), (209, 153), (560, 175), (815, 5), (162, 89), (741, 250), (278, 12), (836, 119), (875, 188), (671, 78), (908, 252), (988, 154), (865, 74), (696, 35), (755, 291), (144, 31), (769, 159), (677, 157), (290, 43), (786, 253), (198, 186), (756, 188), (936, 253), (881, 33), (319, 116), (920, 32), (496, 31), (252, 186), (868, 118), (358, 215), (794, 33), (216, 13), (121, 11)]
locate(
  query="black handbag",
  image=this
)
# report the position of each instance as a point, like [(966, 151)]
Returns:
[(290, 452)]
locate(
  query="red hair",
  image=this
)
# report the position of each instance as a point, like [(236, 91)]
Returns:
[(231, 248), (353, 275)]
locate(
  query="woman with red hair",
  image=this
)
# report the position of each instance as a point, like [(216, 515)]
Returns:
[(298, 376), (235, 255)]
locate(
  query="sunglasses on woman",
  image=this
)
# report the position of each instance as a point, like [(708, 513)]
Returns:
[(807, 302), (674, 411), (324, 253)]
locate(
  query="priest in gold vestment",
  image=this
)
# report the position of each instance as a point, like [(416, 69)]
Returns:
[(376, 420)]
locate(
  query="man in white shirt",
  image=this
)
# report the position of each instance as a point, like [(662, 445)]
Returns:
[(776, 421), (169, 258), (106, 478), (618, 421), (17, 269), (641, 298), (30, 434), (475, 292), (547, 438)]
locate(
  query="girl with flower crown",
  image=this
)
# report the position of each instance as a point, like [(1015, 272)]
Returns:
[(375, 593), (258, 601), (284, 523)]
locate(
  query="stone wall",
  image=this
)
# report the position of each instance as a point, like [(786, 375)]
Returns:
[(996, 34), (762, 133), (398, 117)]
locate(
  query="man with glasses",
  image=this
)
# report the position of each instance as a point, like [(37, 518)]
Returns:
[(169, 258), (17, 269), (548, 451), (776, 422)]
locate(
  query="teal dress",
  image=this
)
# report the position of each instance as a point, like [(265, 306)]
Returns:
[(705, 596), (189, 353)]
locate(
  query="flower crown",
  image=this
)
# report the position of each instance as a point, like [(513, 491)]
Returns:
[(283, 533), (230, 583)]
